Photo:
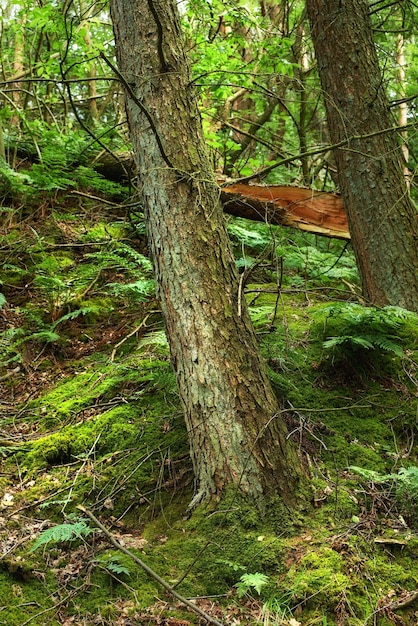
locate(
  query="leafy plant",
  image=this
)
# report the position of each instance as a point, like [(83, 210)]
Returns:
[(62, 533), (319, 265), (138, 291), (404, 484), (254, 581), (113, 565), (12, 341), (73, 314), (349, 328)]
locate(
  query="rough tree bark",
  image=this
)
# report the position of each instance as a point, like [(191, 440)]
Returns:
[(235, 430), (381, 216)]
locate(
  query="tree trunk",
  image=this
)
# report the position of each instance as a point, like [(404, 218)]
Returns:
[(403, 106), (235, 430), (381, 216)]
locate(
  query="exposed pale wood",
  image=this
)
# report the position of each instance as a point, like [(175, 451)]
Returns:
[(314, 211), (317, 212)]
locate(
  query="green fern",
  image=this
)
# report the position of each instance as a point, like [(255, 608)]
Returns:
[(366, 342), (252, 236), (313, 263), (408, 482), (156, 338), (62, 533), (113, 564), (87, 177), (121, 257), (402, 486), (254, 581), (73, 314), (372, 475), (138, 291), (347, 328)]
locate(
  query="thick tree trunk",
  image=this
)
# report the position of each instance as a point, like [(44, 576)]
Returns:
[(381, 216), (235, 430)]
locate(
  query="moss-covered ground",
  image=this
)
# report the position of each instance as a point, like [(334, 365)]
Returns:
[(91, 417)]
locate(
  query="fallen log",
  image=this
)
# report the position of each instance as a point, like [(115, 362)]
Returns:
[(316, 212)]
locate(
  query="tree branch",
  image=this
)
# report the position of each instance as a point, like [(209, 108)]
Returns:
[(142, 107), (147, 569), (340, 144)]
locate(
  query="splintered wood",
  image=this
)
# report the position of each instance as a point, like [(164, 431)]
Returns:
[(313, 211)]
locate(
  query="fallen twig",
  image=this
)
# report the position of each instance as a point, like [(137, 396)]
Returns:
[(147, 569), (131, 334), (401, 604)]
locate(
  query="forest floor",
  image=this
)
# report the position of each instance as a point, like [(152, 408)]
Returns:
[(90, 417)]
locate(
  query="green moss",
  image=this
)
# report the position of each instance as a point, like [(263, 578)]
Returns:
[(111, 435), (103, 231), (27, 600), (55, 263), (319, 574), (56, 449)]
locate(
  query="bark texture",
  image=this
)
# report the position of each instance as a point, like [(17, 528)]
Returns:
[(381, 216), (236, 434)]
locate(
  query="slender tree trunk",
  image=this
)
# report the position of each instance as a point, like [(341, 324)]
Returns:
[(403, 107), (2, 148), (381, 215), (236, 434), (18, 68), (91, 84)]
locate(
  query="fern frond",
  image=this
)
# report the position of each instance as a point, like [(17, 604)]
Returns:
[(408, 480), (156, 338), (354, 327), (372, 475), (348, 340), (61, 533), (251, 581), (44, 336), (73, 314), (388, 345), (138, 291)]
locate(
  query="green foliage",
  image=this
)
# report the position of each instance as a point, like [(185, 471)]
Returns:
[(403, 486), (13, 340), (86, 310), (321, 266), (112, 433), (138, 291), (61, 533), (114, 564), (12, 182), (349, 329), (251, 582), (252, 236)]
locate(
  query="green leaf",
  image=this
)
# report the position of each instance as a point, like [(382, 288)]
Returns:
[(61, 533), (251, 581), (117, 568), (73, 314)]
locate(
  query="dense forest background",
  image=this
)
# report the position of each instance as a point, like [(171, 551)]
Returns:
[(91, 411)]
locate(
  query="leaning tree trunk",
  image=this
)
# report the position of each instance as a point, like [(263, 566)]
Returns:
[(235, 430), (381, 215)]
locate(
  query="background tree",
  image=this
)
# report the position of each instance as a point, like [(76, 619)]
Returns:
[(236, 433), (382, 217)]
